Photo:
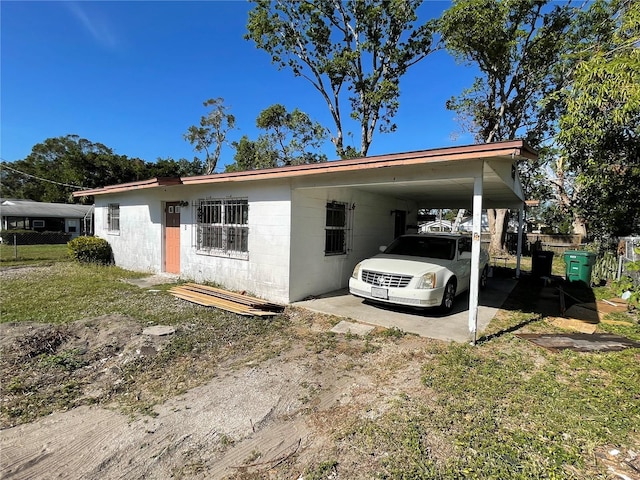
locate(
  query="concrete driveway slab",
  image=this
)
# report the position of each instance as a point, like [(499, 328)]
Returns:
[(429, 323)]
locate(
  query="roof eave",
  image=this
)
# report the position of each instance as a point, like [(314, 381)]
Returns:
[(127, 187), (514, 148), (511, 148)]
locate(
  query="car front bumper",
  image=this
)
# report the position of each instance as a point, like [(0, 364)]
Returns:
[(412, 297)]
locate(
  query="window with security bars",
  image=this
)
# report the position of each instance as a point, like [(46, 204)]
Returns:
[(336, 229), (222, 227), (113, 217)]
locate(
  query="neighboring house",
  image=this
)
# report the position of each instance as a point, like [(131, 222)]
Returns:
[(466, 225), (288, 233), (435, 226), (45, 217)]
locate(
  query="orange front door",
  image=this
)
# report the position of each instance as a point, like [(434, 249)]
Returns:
[(172, 237)]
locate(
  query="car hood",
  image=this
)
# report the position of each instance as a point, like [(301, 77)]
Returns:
[(404, 264)]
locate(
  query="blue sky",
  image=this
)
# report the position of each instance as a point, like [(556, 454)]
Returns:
[(133, 76)]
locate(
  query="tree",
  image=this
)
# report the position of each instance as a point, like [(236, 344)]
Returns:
[(289, 139), (515, 45), (293, 134), (211, 134), (61, 165), (253, 155), (363, 47), (600, 129), (168, 167)]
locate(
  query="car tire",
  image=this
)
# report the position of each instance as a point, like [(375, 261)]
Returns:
[(484, 276), (448, 296)]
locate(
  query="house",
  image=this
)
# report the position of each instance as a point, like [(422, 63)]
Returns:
[(288, 233), (466, 225), (45, 217)]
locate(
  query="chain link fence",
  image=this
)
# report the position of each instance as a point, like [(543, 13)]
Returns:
[(628, 253), (30, 237), (29, 244)]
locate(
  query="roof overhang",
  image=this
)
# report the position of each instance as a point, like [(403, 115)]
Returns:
[(127, 187), (434, 178)]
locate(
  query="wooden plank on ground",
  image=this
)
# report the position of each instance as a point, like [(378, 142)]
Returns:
[(230, 301), (228, 306), (237, 297)]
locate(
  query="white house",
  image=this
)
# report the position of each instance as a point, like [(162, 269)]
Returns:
[(40, 216), (288, 233)]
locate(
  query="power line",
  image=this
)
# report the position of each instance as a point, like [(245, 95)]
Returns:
[(4, 165)]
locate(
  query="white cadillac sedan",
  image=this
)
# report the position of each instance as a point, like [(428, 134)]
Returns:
[(421, 270)]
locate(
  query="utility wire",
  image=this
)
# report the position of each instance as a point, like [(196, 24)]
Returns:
[(4, 165)]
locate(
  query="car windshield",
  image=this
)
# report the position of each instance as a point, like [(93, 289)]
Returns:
[(430, 247)]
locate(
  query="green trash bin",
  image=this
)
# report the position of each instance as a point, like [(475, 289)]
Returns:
[(579, 264)]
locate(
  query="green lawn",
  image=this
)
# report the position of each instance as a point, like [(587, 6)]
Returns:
[(11, 255), (558, 267)]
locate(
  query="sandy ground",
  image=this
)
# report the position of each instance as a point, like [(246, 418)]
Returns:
[(245, 423)]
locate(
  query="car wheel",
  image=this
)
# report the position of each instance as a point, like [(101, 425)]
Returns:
[(448, 296), (484, 275)]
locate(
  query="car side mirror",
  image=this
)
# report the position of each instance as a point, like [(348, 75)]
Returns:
[(465, 256), (382, 248)]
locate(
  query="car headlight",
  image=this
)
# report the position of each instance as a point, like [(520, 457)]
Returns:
[(356, 271), (428, 280)]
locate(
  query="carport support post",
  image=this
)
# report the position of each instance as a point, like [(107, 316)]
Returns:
[(476, 245)]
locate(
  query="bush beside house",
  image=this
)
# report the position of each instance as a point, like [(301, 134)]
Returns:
[(90, 250)]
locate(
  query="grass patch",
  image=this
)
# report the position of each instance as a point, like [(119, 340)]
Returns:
[(558, 265), (11, 255), (68, 291), (506, 410)]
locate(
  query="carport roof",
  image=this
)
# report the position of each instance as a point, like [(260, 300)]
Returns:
[(440, 177)]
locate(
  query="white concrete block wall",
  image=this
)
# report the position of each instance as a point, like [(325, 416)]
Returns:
[(138, 245), (313, 272), (266, 271)]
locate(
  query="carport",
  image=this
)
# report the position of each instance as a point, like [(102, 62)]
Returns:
[(474, 177)]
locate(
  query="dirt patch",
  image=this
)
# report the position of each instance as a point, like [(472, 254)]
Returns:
[(251, 419), (63, 366)]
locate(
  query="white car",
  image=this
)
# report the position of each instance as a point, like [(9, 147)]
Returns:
[(422, 270)]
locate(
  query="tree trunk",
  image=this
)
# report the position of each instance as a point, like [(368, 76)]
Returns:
[(579, 227), (497, 228)]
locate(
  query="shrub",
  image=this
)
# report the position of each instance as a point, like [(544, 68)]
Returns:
[(90, 250)]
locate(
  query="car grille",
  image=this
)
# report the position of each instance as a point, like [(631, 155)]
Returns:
[(390, 280)]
